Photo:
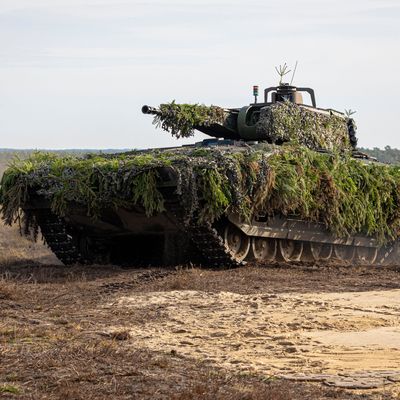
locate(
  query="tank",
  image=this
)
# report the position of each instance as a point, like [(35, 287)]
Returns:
[(279, 180)]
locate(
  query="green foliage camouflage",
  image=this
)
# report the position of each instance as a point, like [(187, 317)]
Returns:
[(181, 119), (347, 195), (289, 122)]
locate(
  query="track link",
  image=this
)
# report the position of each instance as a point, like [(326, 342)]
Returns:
[(55, 234), (205, 237)]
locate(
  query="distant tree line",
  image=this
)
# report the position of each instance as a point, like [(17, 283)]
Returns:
[(386, 155)]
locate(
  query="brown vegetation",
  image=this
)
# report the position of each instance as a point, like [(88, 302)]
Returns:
[(63, 335), (14, 248)]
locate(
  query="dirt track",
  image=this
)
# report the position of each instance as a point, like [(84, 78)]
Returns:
[(106, 332)]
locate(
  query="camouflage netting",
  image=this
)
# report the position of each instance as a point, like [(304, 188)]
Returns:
[(181, 119), (348, 196), (289, 122)]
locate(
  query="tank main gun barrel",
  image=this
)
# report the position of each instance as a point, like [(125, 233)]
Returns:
[(150, 110), (225, 130)]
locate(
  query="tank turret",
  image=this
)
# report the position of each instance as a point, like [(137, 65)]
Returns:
[(281, 117)]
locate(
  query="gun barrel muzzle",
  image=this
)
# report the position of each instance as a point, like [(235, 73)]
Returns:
[(149, 110)]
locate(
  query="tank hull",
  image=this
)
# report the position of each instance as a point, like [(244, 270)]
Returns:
[(129, 237)]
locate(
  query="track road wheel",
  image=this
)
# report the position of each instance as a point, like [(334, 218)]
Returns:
[(366, 255), (289, 250), (318, 251), (342, 252), (237, 242), (263, 249), (386, 255)]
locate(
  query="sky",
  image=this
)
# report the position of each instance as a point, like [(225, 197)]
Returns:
[(75, 73)]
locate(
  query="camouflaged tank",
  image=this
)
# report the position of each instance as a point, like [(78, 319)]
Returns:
[(278, 181)]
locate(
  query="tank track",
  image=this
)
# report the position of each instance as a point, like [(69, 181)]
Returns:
[(205, 238), (210, 245), (55, 233)]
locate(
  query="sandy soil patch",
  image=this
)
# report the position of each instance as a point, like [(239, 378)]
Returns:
[(275, 334)]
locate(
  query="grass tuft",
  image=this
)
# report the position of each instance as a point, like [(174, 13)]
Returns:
[(121, 335), (9, 389)]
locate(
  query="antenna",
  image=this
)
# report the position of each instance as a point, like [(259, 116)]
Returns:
[(294, 73), (282, 71)]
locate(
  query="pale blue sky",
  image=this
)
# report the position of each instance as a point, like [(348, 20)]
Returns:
[(74, 73)]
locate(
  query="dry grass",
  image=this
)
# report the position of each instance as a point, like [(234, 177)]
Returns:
[(120, 335), (211, 389), (54, 342), (15, 248), (7, 290), (105, 369), (279, 278)]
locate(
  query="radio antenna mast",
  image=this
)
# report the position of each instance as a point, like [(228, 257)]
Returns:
[(294, 73)]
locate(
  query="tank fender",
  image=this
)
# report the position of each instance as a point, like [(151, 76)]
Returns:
[(290, 228)]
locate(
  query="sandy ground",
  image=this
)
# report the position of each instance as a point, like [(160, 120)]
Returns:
[(285, 334), (250, 333)]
